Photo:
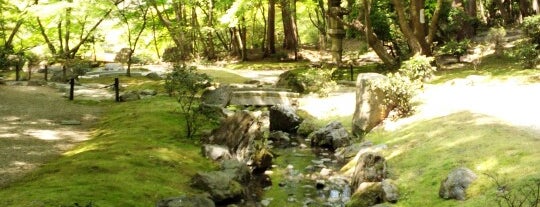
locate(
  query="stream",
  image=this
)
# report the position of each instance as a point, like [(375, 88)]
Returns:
[(305, 176)]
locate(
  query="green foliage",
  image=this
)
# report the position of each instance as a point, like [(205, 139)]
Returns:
[(531, 27), (418, 68), (527, 53), (525, 195), (399, 91), (496, 37), (186, 83), (317, 81), (455, 48), (78, 67)]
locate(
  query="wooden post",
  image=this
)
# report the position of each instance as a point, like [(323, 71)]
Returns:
[(46, 72), (117, 90), (351, 72), (71, 88)]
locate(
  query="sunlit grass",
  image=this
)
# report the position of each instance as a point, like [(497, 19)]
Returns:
[(137, 156), (492, 66), (423, 153)]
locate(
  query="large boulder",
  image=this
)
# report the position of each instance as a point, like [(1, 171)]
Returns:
[(284, 118), (391, 191), (238, 171), (216, 152), (237, 133), (130, 96), (332, 136), (217, 96), (187, 201), (220, 184), (153, 76), (371, 167), (366, 195), (370, 105), (291, 80), (454, 186)]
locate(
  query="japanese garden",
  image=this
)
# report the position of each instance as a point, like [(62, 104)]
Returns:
[(280, 103)]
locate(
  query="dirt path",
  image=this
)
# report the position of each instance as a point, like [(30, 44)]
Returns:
[(31, 129)]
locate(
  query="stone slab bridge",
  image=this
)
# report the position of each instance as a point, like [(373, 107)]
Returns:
[(263, 97)]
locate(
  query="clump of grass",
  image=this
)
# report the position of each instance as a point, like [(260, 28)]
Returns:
[(423, 153), (137, 156)]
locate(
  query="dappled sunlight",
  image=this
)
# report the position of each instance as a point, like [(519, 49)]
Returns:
[(336, 104), (456, 142), (45, 134), (487, 165), (85, 148)]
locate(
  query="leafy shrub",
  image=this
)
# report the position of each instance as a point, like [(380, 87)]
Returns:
[(418, 68), (496, 37), (308, 81), (186, 83), (531, 27), (399, 91), (455, 48), (318, 81), (527, 53), (525, 195)]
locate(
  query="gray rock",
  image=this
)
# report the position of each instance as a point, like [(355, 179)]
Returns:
[(130, 96), (153, 76), (220, 96), (284, 118), (187, 201), (454, 186), (279, 136), (291, 80), (348, 152), (220, 185), (114, 66), (391, 191), (237, 133), (332, 136), (370, 107), (238, 170), (70, 122), (148, 92), (216, 152), (366, 195), (371, 167)]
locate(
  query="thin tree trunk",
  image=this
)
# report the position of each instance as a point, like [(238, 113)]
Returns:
[(271, 30), (536, 6), (413, 42)]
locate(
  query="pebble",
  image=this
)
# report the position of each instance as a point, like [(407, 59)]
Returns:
[(265, 202), (333, 196), (317, 162), (325, 172), (326, 159), (268, 172)]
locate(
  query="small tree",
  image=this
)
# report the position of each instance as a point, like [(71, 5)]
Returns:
[(186, 84), (455, 48), (496, 37)]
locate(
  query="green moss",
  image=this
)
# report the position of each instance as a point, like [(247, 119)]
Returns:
[(135, 158), (423, 153)]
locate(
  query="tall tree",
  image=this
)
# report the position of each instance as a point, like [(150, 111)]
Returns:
[(177, 25), (271, 29), (69, 25), (290, 37), (133, 15), (413, 26)]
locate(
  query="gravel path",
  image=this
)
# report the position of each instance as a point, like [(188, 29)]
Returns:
[(31, 129)]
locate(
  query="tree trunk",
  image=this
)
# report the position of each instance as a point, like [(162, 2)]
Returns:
[(524, 9), (271, 30), (536, 6), (409, 34), (336, 30), (373, 41), (210, 48), (289, 28)]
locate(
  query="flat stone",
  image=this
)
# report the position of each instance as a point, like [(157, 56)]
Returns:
[(70, 122), (263, 98)]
